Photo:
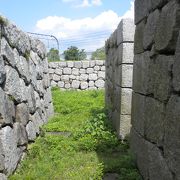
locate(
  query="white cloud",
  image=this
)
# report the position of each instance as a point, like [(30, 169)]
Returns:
[(84, 3), (88, 33)]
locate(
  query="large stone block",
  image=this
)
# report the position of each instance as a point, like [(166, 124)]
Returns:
[(138, 113), (168, 27), (7, 112), (3, 177), (176, 68), (31, 132), (2, 71), (150, 28), (126, 99), (20, 133), (154, 121), (126, 72), (75, 84), (162, 77), (67, 71), (139, 148), (22, 113), (85, 64), (7, 52), (125, 31), (11, 152), (83, 77), (139, 36), (84, 85), (125, 126), (93, 77), (78, 64), (99, 83), (141, 10), (70, 64), (171, 139), (14, 85), (75, 71), (142, 74), (125, 53)]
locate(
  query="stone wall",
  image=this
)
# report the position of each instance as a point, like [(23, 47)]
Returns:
[(119, 70), (25, 94), (155, 136), (82, 75)]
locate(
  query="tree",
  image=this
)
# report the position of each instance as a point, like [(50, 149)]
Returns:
[(99, 54), (74, 54), (53, 55)]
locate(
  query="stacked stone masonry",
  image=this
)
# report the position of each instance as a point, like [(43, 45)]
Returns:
[(119, 71), (25, 94), (155, 134), (78, 75)]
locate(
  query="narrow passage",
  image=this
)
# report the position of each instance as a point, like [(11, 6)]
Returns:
[(78, 143)]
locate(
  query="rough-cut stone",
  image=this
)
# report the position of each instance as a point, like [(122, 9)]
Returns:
[(85, 64), (99, 83), (90, 70), (7, 112), (2, 71), (67, 85), (99, 62), (162, 76), (126, 98), (101, 74), (11, 152), (82, 71), (84, 85), (20, 133), (125, 53), (176, 68), (65, 78), (56, 77), (127, 74), (57, 71), (142, 75), (75, 71), (93, 77), (70, 64), (67, 71), (150, 29), (172, 129), (168, 27), (91, 83), (96, 68), (125, 31), (2, 164), (31, 133), (14, 85), (75, 84), (61, 84), (3, 177), (22, 113), (7, 52), (83, 77), (62, 64), (138, 38), (92, 63), (77, 64), (141, 10), (125, 124)]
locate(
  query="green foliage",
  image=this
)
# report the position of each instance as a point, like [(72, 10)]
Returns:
[(53, 55), (91, 151), (74, 54), (99, 54)]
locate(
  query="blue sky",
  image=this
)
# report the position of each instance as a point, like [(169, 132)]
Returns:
[(72, 21)]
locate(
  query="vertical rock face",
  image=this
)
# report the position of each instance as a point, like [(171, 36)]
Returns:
[(119, 72), (25, 94), (155, 137), (81, 75)]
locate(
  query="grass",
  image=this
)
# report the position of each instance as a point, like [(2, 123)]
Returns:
[(91, 151)]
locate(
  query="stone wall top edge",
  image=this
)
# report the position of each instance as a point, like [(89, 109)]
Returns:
[(15, 36)]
